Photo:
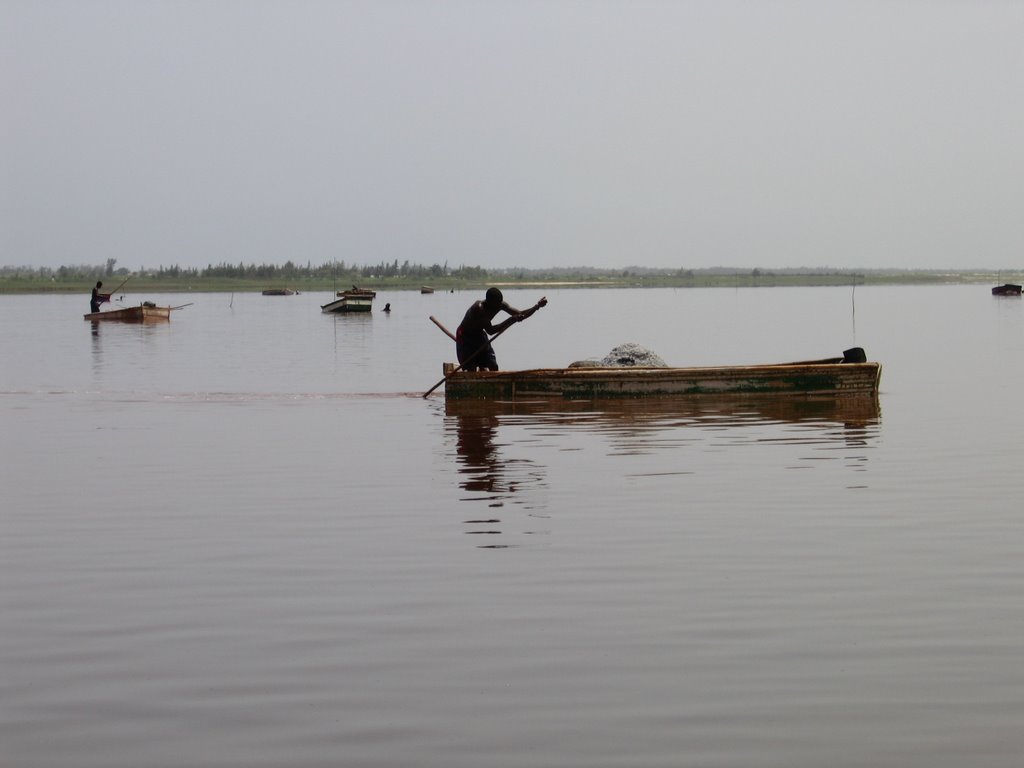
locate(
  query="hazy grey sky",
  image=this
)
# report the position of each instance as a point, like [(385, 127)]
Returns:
[(512, 133)]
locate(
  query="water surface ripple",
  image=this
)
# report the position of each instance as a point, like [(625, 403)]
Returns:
[(243, 538)]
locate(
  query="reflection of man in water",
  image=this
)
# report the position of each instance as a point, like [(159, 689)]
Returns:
[(97, 297), (471, 339), (475, 446)]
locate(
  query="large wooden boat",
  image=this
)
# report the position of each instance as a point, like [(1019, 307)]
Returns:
[(144, 313), (811, 378), (280, 292), (1007, 289), (348, 304)]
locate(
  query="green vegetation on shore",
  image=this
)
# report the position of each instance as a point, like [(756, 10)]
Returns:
[(338, 276)]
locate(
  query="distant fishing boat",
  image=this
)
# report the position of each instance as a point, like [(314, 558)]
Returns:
[(358, 292), (348, 304), (280, 292), (146, 312), (1006, 289), (426, 289)]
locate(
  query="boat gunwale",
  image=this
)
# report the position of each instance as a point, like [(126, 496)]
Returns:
[(658, 371), (773, 379)]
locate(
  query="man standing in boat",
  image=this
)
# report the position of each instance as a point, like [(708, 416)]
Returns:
[(97, 297), (472, 344)]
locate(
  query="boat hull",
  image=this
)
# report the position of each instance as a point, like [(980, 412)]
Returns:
[(608, 383), (348, 304), (1008, 289), (140, 314)]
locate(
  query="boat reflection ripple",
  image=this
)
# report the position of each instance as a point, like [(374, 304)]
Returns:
[(504, 452)]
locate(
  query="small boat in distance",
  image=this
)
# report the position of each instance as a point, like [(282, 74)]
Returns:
[(355, 300), (1006, 289), (280, 292), (426, 289), (847, 375), (147, 312), (348, 304), (357, 291)]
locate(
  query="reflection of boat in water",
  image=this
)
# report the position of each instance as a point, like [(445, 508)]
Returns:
[(500, 459), (844, 409), (832, 376)]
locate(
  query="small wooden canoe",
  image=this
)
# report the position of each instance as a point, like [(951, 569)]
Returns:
[(1007, 289), (833, 377), (279, 292), (144, 313), (426, 289)]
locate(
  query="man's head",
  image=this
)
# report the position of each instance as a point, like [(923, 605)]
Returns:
[(99, 283), (493, 297)]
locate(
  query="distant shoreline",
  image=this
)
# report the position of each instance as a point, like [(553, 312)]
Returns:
[(12, 284)]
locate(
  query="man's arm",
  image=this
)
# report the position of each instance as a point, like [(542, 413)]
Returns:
[(520, 316), (517, 316)]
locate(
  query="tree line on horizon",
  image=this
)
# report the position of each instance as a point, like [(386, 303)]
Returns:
[(340, 269), (242, 271)]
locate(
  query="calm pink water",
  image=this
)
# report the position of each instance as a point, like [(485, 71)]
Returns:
[(243, 539)]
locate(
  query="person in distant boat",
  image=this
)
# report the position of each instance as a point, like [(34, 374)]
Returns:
[(472, 344), (97, 297)]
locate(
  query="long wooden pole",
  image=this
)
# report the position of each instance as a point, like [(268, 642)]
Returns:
[(121, 285)]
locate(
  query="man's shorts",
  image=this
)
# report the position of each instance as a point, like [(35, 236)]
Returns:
[(467, 345)]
